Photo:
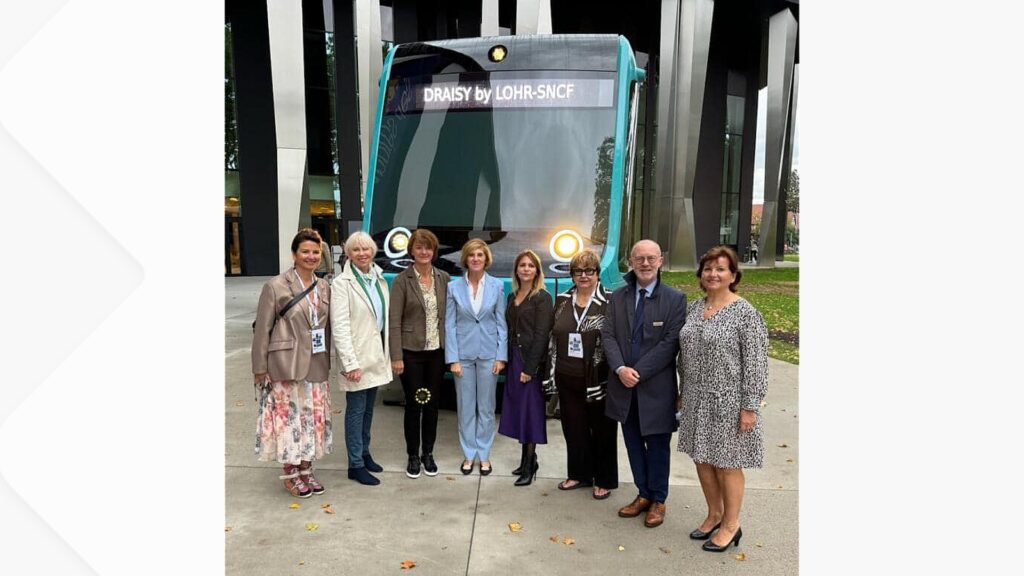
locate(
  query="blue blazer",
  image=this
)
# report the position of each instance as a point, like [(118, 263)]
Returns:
[(664, 315), (469, 336)]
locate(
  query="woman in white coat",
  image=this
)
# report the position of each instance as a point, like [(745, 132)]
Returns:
[(359, 323)]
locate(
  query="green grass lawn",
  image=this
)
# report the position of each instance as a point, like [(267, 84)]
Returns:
[(774, 292)]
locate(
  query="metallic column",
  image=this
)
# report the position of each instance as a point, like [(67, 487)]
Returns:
[(685, 43), (782, 28), (787, 167), (489, 17), (370, 65), (347, 116), (533, 17), (286, 70)]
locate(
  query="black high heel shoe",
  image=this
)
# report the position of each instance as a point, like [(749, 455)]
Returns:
[(698, 535), (710, 546), (519, 469)]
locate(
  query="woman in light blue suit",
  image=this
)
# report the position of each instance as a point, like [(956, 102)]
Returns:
[(475, 347)]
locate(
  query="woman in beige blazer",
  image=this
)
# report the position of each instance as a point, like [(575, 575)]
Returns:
[(291, 363), (359, 321), (418, 301)]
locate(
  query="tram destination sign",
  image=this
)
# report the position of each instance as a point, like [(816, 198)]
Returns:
[(509, 93)]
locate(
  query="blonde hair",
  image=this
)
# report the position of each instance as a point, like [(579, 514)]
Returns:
[(359, 239), (538, 280), (475, 244)]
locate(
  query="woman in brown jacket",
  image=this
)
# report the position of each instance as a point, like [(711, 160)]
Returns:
[(418, 297), (291, 361)]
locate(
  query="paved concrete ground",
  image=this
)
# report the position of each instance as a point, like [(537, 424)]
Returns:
[(455, 524)]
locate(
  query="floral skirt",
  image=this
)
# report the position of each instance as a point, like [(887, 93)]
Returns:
[(293, 423)]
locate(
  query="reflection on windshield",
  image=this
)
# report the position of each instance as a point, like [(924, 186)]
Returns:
[(511, 170), (512, 176)]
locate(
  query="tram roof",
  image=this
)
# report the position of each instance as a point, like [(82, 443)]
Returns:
[(598, 52)]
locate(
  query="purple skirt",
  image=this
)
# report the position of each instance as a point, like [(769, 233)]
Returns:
[(522, 406)]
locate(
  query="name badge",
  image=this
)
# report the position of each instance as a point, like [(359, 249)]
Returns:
[(319, 344), (656, 324), (575, 345)]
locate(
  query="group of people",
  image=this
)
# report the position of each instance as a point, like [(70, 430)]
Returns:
[(636, 357)]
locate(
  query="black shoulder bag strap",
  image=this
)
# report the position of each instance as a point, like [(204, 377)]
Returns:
[(298, 298)]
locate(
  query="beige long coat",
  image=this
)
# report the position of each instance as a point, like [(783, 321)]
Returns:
[(354, 330)]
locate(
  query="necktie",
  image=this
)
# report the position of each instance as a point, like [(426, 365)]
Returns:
[(638, 326)]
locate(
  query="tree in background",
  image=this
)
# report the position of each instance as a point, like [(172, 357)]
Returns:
[(755, 227), (792, 205), (793, 192)]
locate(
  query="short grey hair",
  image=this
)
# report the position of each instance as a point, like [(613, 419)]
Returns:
[(359, 239)]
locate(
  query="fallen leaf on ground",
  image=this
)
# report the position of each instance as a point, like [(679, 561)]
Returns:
[(759, 545), (763, 403), (327, 509), (621, 548), (741, 556), (665, 550), (779, 486), (450, 478), (311, 526), (294, 505), (338, 411), (240, 403), (790, 460), (227, 528), (569, 541), (301, 562), (515, 526), (554, 539), (783, 445), (408, 564)]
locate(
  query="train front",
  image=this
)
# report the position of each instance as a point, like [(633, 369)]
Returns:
[(508, 139)]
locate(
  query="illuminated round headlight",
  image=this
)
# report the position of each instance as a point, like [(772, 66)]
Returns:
[(565, 244), (396, 243)]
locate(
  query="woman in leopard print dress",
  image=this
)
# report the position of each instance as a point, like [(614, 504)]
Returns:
[(723, 372)]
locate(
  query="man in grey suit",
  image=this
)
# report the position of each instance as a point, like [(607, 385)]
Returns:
[(641, 339)]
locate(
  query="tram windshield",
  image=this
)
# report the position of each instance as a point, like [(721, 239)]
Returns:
[(508, 157)]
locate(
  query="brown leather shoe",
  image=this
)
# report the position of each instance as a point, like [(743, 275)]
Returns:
[(656, 515), (634, 508)]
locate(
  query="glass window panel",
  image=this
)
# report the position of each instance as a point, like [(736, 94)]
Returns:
[(734, 114)]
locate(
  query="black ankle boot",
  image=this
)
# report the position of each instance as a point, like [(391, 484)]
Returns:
[(522, 462), (528, 468)]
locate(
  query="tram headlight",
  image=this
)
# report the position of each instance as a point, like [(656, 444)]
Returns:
[(565, 244), (396, 243)]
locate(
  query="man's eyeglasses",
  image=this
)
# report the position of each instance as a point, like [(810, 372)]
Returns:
[(648, 259), (583, 271)]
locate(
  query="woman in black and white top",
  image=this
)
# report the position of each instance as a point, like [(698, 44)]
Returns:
[(581, 375)]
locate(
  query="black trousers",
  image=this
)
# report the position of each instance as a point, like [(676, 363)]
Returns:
[(590, 436), (423, 370)]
